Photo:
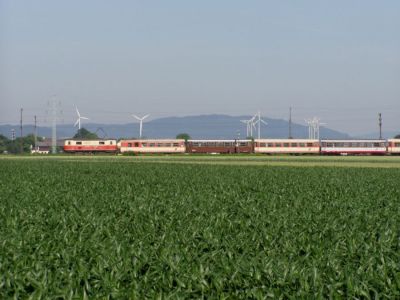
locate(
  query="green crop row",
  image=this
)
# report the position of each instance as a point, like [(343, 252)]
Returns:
[(147, 230)]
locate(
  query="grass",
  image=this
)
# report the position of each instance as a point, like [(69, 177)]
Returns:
[(153, 227), (245, 159)]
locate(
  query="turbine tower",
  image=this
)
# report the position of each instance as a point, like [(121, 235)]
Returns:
[(78, 121), (257, 120), (249, 124), (141, 123), (313, 128)]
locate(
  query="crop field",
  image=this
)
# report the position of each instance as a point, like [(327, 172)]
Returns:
[(203, 227)]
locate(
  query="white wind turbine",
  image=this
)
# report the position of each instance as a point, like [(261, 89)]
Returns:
[(257, 120), (248, 126), (141, 123), (313, 128), (78, 121)]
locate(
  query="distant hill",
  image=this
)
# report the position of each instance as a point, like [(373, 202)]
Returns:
[(375, 135), (198, 127)]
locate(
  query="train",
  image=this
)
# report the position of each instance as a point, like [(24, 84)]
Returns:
[(246, 146)]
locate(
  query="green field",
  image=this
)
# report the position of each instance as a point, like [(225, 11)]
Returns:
[(226, 227)]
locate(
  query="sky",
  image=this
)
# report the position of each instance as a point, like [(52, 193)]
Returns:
[(337, 60)]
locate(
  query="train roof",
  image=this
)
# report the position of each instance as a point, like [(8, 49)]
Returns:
[(287, 140), (216, 141), (354, 140), (75, 139), (152, 140)]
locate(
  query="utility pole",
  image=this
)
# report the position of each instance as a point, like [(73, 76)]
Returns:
[(380, 126), (35, 134), (21, 147), (55, 111), (290, 123)]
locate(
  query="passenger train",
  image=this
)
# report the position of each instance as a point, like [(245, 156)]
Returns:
[(257, 146)]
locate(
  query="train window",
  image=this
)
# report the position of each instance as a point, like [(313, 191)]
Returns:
[(176, 144), (101, 143), (136, 144), (79, 143), (293, 145), (152, 144), (69, 142), (285, 144), (302, 144), (159, 145), (144, 144), (278, 145), (376, 144), (167, 145), (129, 145), (327, 145), (111, 142), (270, 145), (397, 144)]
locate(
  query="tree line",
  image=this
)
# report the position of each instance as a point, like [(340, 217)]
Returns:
[(14, 146)]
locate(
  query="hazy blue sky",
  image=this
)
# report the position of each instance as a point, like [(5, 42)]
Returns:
[(339, 60)]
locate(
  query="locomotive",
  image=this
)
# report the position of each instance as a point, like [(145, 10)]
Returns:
[(257, 146)]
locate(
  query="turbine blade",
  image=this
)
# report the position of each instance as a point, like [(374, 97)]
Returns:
[(84, 118), (265, 123), (145, 116), (77, 111), (136, 117), (76, 123)]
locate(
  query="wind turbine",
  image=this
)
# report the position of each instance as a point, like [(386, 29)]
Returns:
[(141, 123), (313, 128), (78, 121), (248, 126), (257, 120)]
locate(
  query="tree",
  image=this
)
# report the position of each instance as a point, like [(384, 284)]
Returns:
[(83, 133), (4, 141), (14, 147), (183, 136), (397, 136)]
